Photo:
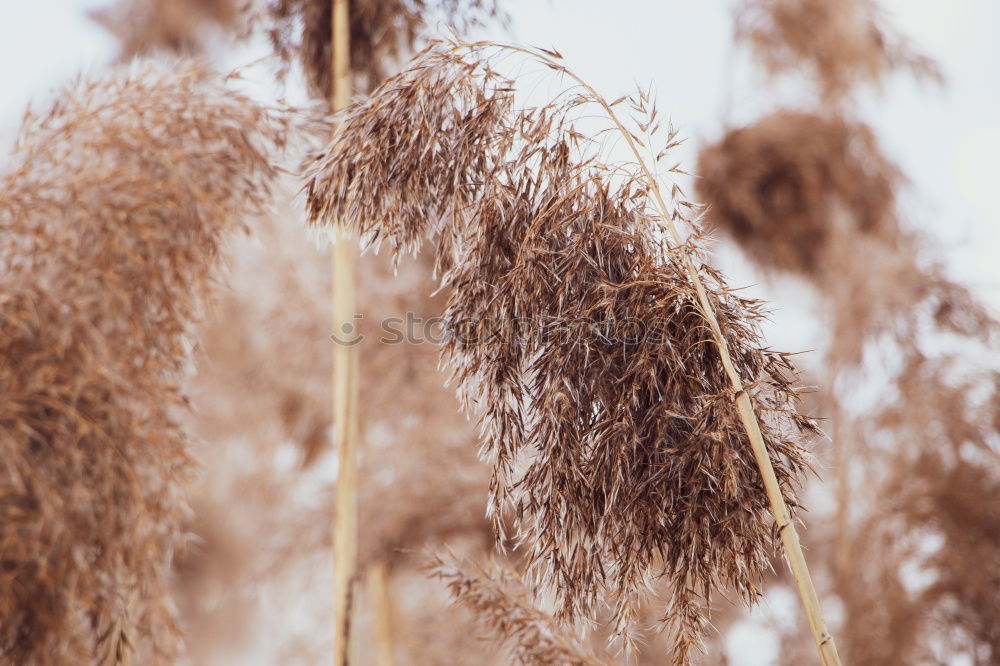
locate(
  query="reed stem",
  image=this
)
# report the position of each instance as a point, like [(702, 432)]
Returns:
[(345, 373), (378, 590)]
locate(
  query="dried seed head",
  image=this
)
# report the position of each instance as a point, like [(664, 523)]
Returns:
[(776, 186), (382, 32), (617, 452), (111, 222), (506, 608), (174, 26), (839, 44), (815, 196)]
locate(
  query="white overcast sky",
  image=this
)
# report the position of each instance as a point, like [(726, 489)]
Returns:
[(946, 140)]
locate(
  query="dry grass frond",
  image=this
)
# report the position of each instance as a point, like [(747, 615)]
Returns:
[(635, 461), (382, 33), (840, 44), (111, 221), (776, 186), (923, 582), (959, 501), (502, 605), (815, 196), (173, 26), (879, 292), (89, 490)]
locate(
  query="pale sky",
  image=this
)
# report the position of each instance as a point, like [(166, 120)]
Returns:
[(946, 140)]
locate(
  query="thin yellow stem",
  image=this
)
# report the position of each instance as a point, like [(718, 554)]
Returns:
[(345, 374), (842, 544), (789, 536), (378, 589)]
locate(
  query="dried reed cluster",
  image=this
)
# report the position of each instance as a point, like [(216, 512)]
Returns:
[(381, 33), (620, 457), (839, 44), (814, 196), (503, 605), (913, 560), (775, 187), (173, 26), (112, 218), (930, 482)]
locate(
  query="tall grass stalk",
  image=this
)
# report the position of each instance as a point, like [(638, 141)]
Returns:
[(345, 374), (378, 587)]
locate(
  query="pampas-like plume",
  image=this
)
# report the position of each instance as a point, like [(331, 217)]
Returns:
[(839, 44), (921, 459), (815, 196), (930, 483), (775, 187), (575, 335), (112, 219), (502, 605), (381, 32), (174, 26)]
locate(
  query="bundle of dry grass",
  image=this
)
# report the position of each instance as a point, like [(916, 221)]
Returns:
[(959, 501), (508, 610), (815, 196), (776, 187), (913, 565), (619, 452), (924, 589), (881, 295), (381, 32), (173, 26), (934, 511), (112, 219), (84, 507), (840, 44)]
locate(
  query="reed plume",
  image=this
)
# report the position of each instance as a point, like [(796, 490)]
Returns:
[(917, 465), (814, 196), (181, 27), (775, 186), (620, 457), (382, 32), (497, 597), (112, 217), (838, 44)]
